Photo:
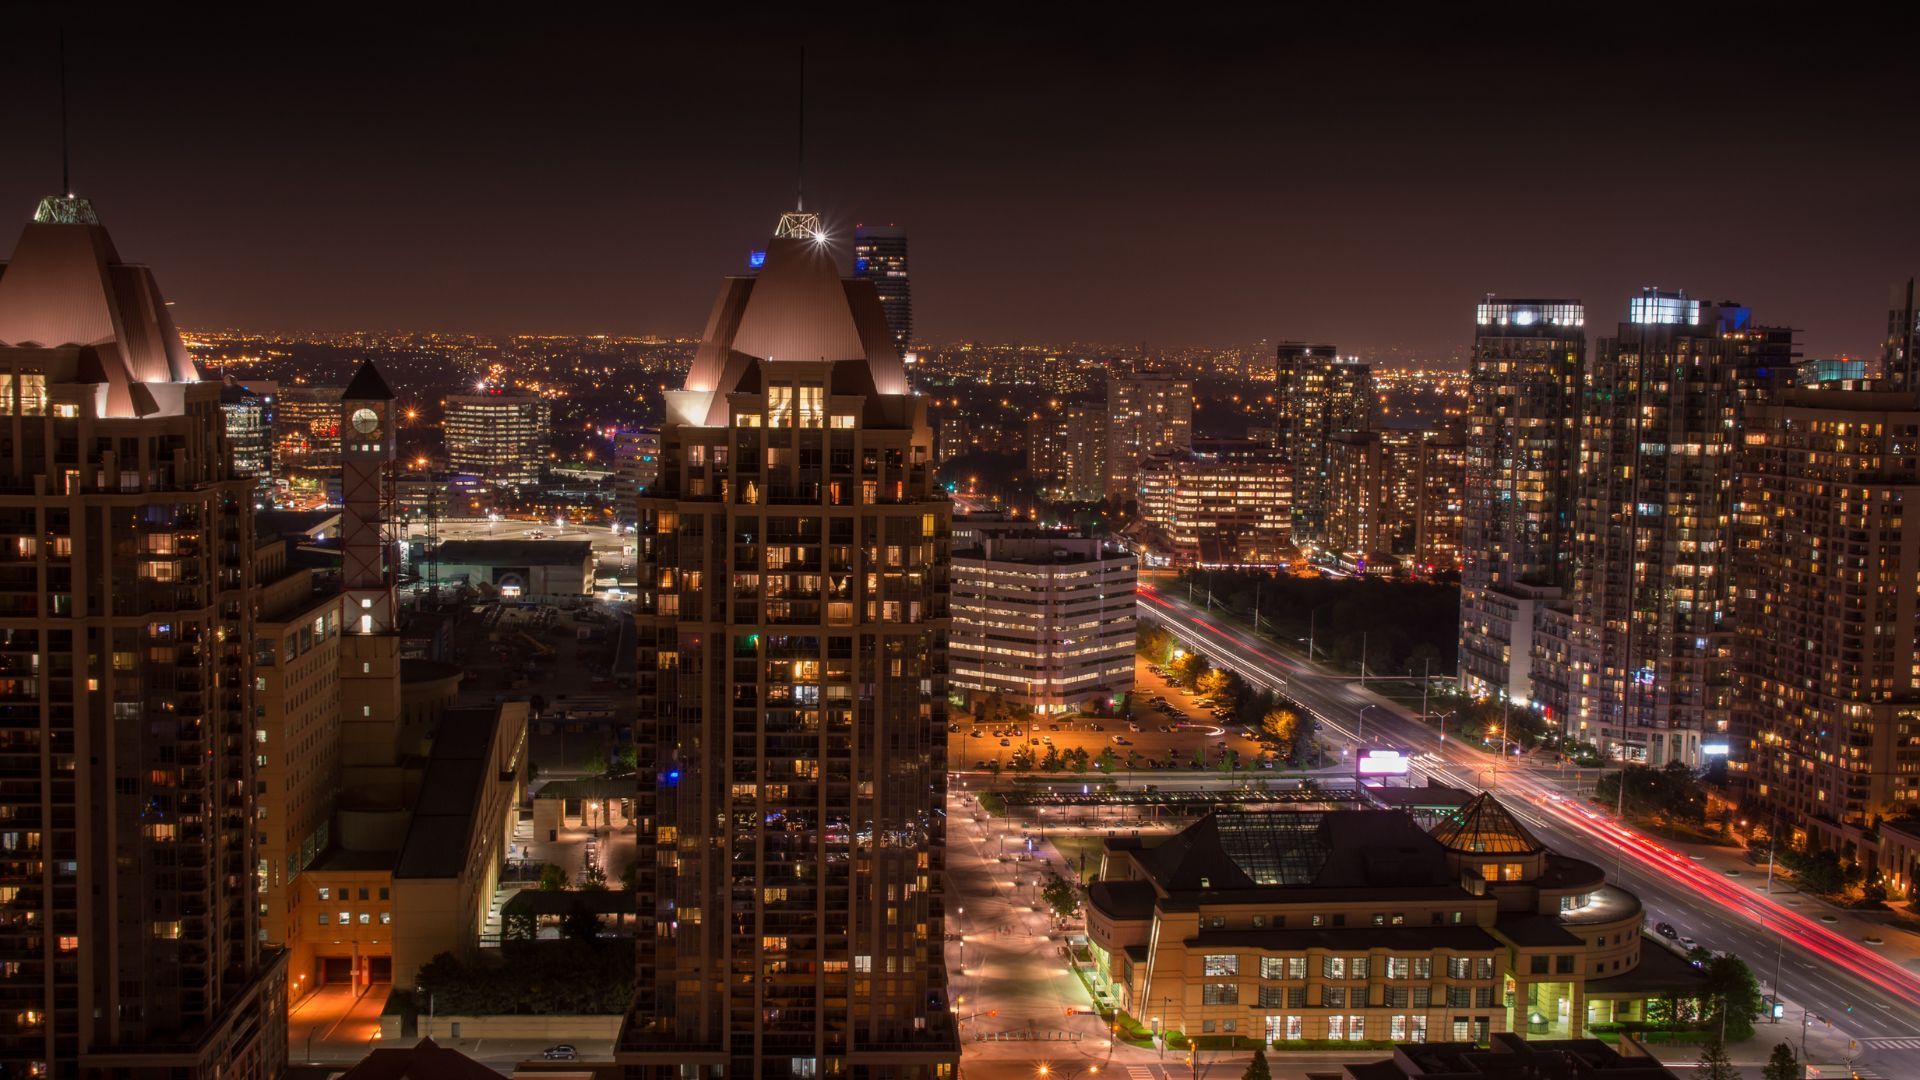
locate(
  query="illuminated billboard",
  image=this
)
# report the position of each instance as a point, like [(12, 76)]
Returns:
[(1384, 763)]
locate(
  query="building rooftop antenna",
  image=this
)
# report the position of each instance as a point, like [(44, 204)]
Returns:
[(800, 144), (66, 183)]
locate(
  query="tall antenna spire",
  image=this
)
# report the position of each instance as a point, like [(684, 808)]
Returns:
[(800, 148), (800, 222), (66, 183)]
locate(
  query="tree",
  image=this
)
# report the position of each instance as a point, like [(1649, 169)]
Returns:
[(1714, 1063), (1257, 1068), (1051, 762), (1062, 897), (593, 878), (1282, 725), (1212, 685), (1229, 759), (1783, 1065), (552, 878), (624, 760), (595, 762), (519, 926), (1732, 988), (1154, 643), (1108, 759)]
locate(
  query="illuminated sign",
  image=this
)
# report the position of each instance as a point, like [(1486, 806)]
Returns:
[(1718, 749), (756, 259), (1384, 763)]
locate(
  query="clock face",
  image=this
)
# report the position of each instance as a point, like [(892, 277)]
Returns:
[(366, 421)]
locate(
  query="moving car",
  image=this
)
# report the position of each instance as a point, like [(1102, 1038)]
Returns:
[(1122, 740), (560, 1052), (1666, 930)]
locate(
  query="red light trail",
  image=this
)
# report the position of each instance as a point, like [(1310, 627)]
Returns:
[(1762, 910)]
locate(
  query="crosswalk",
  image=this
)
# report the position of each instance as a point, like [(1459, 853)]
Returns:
[(1140, 1072)]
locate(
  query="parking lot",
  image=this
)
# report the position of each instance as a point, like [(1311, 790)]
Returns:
[(1167, 727)]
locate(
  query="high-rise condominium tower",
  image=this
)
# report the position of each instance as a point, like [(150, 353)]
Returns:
[(128, 925), (1523, 448), (880, 256), (1827, 734), (1316, 396), (1148, 414), (1666, 402), (792, 714)]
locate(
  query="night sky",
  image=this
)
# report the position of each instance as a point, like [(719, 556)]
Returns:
[(1361, 180)]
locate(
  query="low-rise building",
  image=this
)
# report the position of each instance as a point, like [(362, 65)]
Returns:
[(412, 871), (520, 568), (1357, 925), (1223, 509), (1042, 620)]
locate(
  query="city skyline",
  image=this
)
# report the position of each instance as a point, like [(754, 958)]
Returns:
[(416, 186)]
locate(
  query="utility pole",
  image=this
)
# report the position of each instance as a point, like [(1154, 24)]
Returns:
[(1426, 680), (1363, 659)]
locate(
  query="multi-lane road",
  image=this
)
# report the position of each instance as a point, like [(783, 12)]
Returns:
[(1853, 990)]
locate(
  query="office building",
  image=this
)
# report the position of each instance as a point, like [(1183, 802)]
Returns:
[(1293, 926), (1067, 453), (1667, 397), (306, 433), (1043, 621), (1827, 739), (1522, 453), (1148, 414), (792, 685), (880, 256), (498, 435), (1317, 394), (248, 409), (129, 936), (1220, 509)]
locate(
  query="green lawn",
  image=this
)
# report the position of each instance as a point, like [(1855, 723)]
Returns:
[(1072, 847)]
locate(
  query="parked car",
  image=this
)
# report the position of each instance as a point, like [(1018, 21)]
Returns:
[(560, 1052), (1122, 740), (1004, 742), (1687, 943), (1133, 726), (1666, 930)]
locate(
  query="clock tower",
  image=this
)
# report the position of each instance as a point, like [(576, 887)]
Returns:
[(370, 643)]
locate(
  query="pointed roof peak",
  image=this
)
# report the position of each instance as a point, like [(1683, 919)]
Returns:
[(1485, 827), (68, 209), (367, 385)]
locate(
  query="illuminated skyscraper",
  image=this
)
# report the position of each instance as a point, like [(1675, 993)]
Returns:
[(498, 435), (1523, 448), (792, 688), (1666, 401), (1147, 414), (129, 931), (1317, 395), (880, 256), (1827, 734)]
